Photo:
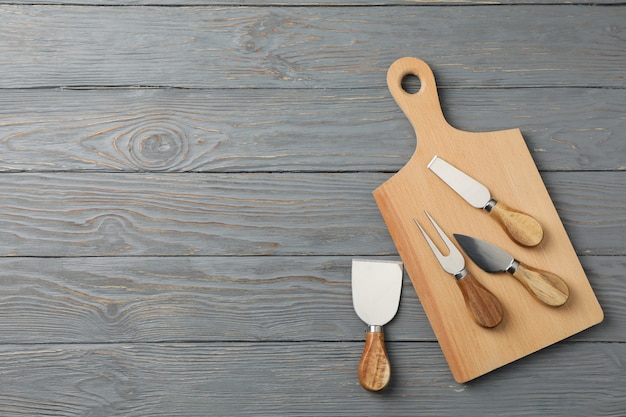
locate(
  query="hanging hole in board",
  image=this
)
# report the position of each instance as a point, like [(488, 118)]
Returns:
[(411, 84)]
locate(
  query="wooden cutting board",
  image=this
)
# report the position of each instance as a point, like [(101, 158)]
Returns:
[(501, 161)]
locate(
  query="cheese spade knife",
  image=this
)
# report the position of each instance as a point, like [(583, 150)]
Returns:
[(521, 227), (547, 287), (376, 288)]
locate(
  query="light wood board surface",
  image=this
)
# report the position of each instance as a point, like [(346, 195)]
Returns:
[(502, 162)]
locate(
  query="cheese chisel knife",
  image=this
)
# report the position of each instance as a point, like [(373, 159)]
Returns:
[(547, 287), (521, 227), (376, 288)]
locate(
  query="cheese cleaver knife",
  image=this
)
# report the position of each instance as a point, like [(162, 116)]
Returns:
[(521, 227), (547, 287), (376, 288)]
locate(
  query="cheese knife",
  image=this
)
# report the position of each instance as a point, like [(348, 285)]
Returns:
[(547, 287), (376, 288), (521, 227)]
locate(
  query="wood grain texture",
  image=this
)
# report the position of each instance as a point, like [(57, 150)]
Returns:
[(521, 227), (298, 379), (309, 47), (482, 305), (374, 366), (187, 214), (547, 287), (62, 214), (212, 299), (341, 130), (200, 179)]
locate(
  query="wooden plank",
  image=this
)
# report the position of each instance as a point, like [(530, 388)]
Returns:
[(299, 379), (212, 299), (299, 3), (287, 130), (584, 211), (66, 214), (309, 47), (189, 214)]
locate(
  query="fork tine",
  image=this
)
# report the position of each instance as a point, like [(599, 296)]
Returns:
[(453, 262), (451, 247), (440, 257)]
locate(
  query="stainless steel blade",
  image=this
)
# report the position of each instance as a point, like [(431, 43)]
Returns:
[(488, 257), (467, 187), (376, 288)]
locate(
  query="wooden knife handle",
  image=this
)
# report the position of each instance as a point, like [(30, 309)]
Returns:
[(374, 369), (482, 304), (549, 288), (521, 227)]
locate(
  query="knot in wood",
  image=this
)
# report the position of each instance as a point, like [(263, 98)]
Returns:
[(157, 146)]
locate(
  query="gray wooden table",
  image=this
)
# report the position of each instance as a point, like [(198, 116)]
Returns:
[(184, 184)]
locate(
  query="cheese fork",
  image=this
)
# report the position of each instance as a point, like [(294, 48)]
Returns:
[(483, 306)]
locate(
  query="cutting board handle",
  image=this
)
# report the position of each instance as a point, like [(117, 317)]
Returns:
[(421, 108)]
